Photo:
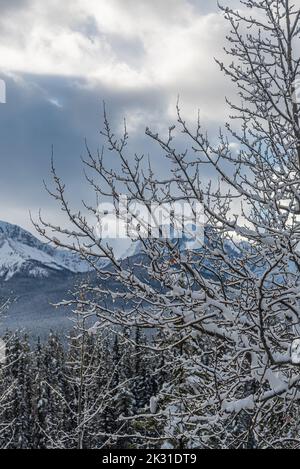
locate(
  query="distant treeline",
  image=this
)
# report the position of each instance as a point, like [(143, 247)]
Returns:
[(80, 396)]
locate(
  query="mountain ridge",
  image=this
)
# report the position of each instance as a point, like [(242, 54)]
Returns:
[(21, 253)]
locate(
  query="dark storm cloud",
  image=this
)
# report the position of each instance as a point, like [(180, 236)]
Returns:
[(8, 5), (43, 111)]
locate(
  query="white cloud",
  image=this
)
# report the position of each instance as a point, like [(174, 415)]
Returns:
[(177, 45), (55, 102)]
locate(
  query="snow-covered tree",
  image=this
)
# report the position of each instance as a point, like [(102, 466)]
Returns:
[(8, 385), (238, 295), (20, 412)]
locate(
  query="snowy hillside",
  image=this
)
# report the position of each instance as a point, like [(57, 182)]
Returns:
[(22, 253)]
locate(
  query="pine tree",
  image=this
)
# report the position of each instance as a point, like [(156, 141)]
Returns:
[(22, 393)]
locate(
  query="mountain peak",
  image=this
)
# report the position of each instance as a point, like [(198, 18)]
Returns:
[(17, 233), (11, 230), (21, 253)]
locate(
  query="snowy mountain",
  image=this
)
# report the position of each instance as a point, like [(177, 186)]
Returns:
[(21, 253)]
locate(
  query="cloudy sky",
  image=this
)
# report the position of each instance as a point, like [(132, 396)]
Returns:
[(60, 60)]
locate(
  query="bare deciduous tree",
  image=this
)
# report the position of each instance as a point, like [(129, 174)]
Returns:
[(238, 295)]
